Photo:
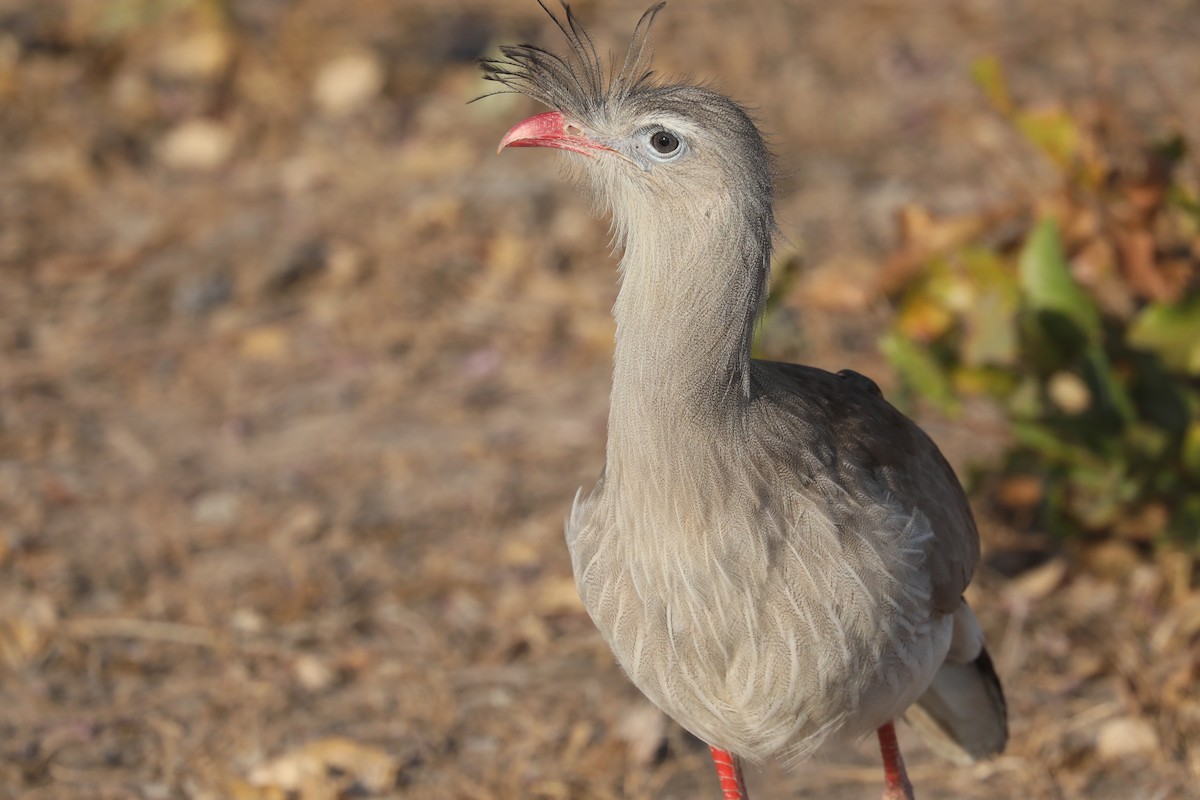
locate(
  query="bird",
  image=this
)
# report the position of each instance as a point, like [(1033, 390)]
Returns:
[(775, 555)]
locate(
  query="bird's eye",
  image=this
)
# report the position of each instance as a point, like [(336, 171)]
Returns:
[(664, 143)]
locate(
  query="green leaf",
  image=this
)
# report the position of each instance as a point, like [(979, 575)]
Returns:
[(989, 381), (1186, 520), (1146, 441), (785, 270), (1025, 402), (1171, 149), (1172, 332), (924, 317), (990, 332), (919, 370), (1054, 132), (1111, 391), (1047, 282), (1191, 449), (988, 74), (1095, 497), (1178, 196), (1050, 444), (990, 323)]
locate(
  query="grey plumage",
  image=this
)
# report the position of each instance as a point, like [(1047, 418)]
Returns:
[(774, 553)]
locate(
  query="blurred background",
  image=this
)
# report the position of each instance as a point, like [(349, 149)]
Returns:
[(297, 379)]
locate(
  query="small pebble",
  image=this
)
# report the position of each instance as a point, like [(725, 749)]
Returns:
[(348, 84), (1126, 736), (199, 145)]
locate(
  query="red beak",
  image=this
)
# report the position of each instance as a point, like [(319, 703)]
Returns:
[(549, 130)]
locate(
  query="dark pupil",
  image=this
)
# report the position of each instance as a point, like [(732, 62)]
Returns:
[(664, 142)]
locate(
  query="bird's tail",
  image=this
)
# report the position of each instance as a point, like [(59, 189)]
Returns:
[(962, 716)]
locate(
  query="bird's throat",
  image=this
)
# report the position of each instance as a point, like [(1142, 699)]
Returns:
[(685, 320)]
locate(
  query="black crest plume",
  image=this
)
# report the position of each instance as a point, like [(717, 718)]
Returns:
[(576, 84)]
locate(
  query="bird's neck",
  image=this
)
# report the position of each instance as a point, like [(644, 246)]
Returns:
[(686, 311)]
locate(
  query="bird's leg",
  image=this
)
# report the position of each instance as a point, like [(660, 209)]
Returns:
[(895, 779), (729, 773)]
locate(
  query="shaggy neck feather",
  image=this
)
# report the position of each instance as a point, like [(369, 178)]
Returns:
[(689, 300)]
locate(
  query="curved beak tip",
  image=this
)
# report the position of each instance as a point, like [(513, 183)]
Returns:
[(540, 130), (548, 129)]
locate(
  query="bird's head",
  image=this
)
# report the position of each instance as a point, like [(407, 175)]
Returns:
[(674, 154)]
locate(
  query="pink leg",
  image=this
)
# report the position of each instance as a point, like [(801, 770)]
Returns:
[(729, 773), (896, 785)]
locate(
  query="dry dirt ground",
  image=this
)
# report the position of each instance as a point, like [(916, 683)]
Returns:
[(297, 379)]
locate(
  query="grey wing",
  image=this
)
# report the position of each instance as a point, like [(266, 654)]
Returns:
[(916, 470), (870, 432)]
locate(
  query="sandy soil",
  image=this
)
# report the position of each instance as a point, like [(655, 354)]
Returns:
[(297, 379)]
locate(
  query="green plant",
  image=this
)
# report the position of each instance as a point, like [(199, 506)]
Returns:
[(1084, 324)]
